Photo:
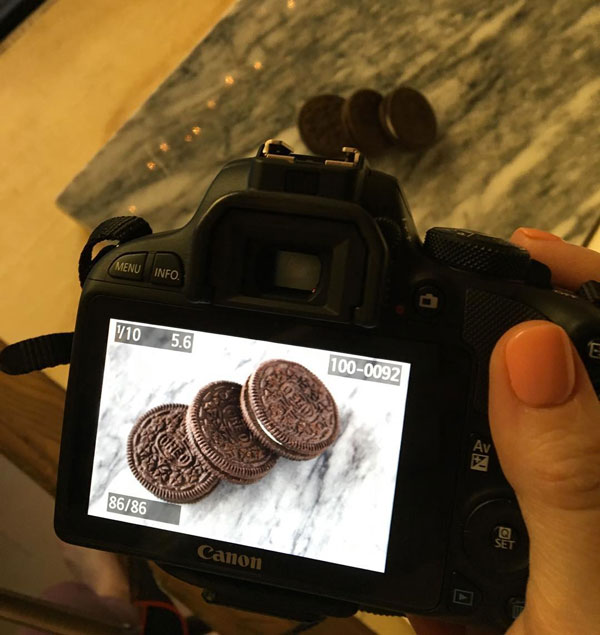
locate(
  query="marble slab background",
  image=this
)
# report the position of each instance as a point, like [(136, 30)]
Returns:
[(515, 86), (335, 508)]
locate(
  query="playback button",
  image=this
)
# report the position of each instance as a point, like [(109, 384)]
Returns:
[(167, 270), (464, 596)]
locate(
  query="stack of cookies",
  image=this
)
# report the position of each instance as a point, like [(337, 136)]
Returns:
[(368, 121), (232, 432)]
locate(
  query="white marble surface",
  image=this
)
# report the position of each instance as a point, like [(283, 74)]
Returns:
[(335, 508), (515, 86)]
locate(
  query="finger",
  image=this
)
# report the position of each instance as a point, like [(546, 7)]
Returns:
[(571, 265), (545, 422), (429, 626)]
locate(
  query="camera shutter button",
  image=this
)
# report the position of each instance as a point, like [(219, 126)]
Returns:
[(167, 270), (473, 251)]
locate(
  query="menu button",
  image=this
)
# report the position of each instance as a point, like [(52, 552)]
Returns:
[(129, 266)]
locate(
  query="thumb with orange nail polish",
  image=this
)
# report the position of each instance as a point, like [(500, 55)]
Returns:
[(545, 422)]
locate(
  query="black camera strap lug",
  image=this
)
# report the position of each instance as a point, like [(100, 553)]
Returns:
[(54, 349), (120, 229)]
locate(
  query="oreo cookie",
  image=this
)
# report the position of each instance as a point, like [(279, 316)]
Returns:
[(161, 459), (408, 118), (290, 410), (360, 117), (320, 125), (219, 435)]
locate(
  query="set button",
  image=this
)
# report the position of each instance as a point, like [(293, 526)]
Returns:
[(495, 537)]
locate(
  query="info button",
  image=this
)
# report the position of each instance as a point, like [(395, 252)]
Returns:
[(167, 270)]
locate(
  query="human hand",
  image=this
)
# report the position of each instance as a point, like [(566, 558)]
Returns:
[(545, 423)]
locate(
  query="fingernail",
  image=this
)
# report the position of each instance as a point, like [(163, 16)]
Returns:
[(537, 234), (540, 365)]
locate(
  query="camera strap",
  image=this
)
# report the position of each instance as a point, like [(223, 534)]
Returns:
[(120, 229), (53, 349)]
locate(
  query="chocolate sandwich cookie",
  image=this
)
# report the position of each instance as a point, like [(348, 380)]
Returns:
[(218, 433), (408, 118), (161, 459), (320, 125), (290, 410), (360, 117)]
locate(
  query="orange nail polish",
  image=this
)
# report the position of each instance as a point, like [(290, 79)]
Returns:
[(538, 234), (540, 365)]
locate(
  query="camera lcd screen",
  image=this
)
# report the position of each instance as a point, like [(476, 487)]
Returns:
[(334, 508)]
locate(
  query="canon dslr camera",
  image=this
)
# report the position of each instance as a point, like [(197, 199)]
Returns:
[(285, 401)]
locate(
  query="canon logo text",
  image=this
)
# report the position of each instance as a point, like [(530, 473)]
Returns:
[(206, 552)]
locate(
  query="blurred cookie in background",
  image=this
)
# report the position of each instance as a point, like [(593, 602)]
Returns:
[(408, 119), (320, 125), (360, 118), (368, 121)]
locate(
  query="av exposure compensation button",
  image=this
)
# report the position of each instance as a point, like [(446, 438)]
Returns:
[(129, 266), (167, 270)]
